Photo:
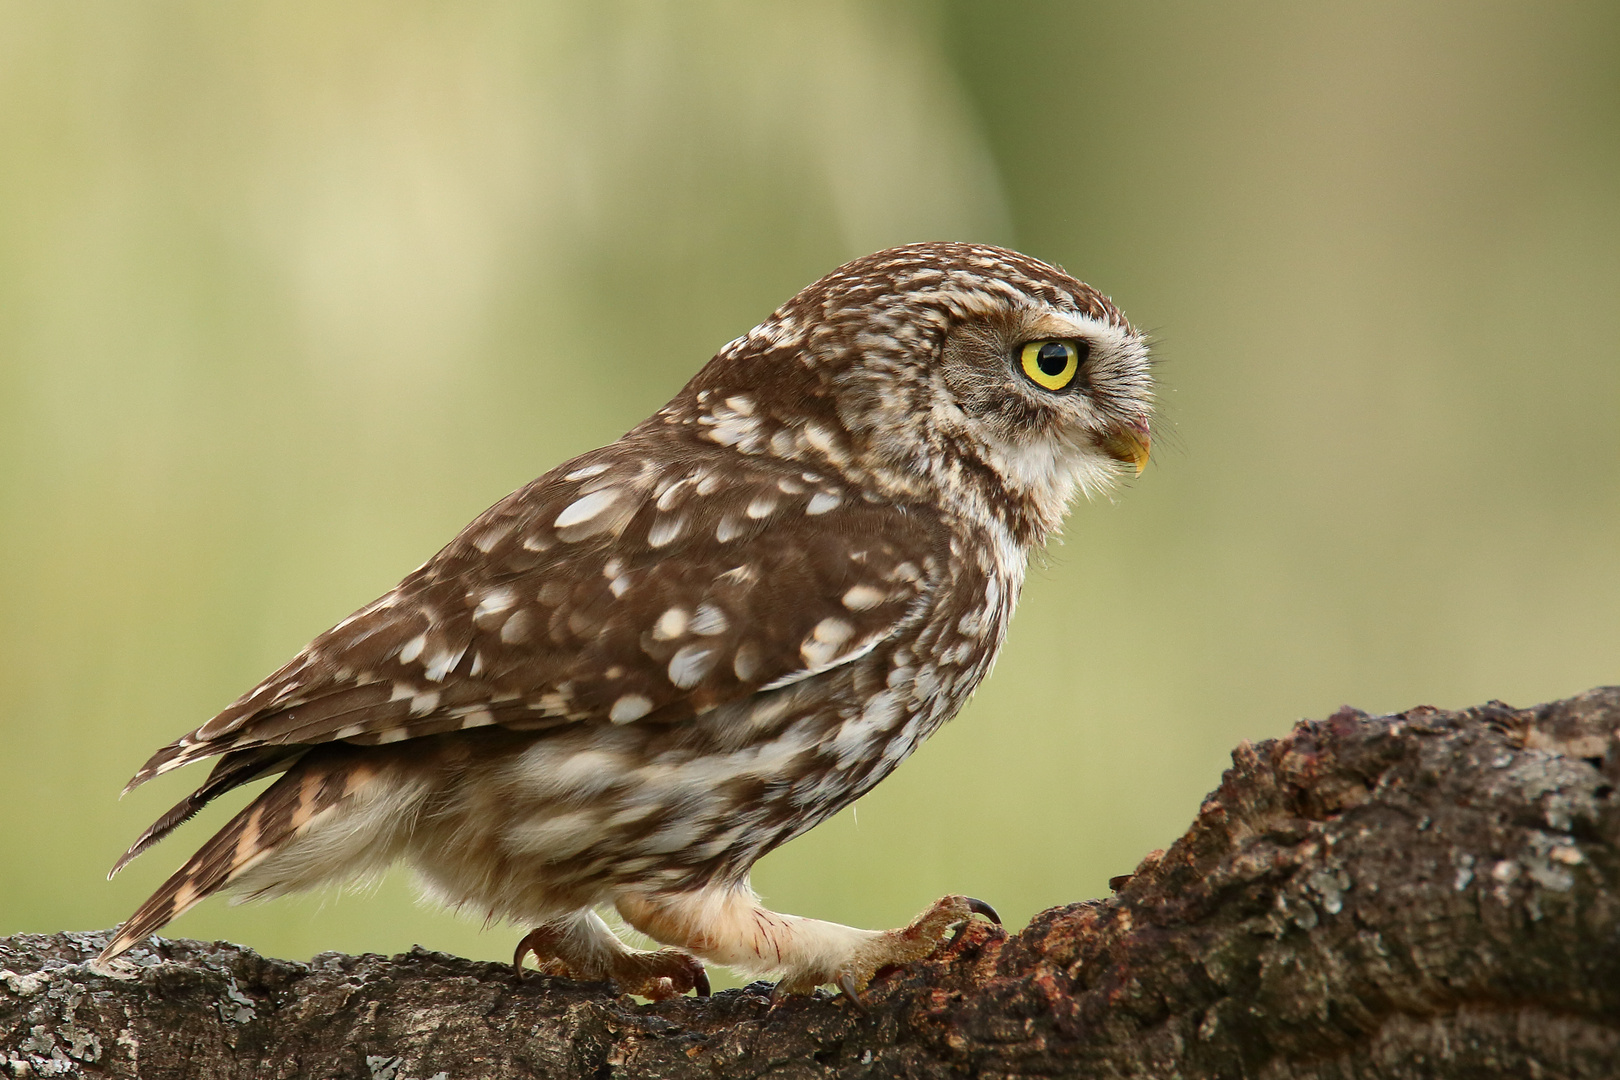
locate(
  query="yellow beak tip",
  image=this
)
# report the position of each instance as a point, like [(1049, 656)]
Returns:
[(1128, 446)]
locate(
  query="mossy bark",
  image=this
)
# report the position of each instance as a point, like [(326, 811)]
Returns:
[(1426, 894)]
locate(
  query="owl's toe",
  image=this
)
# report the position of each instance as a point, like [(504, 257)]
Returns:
[(541, 942), (658, 975), (924, 936), (664, 973)]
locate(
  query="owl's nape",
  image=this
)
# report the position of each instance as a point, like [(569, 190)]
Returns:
[(626, 682)]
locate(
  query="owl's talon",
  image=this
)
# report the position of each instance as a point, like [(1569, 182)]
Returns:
[(538, 941), (976, 907), (700, 984), (979, 907), (846, 986), (923, 937)]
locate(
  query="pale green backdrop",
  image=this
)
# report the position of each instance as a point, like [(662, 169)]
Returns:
[(290, 291)]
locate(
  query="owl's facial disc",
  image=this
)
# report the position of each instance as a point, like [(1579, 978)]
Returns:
[(1058, 400)]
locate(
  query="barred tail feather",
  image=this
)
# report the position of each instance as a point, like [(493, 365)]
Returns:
[(281, 812), (233, 770)]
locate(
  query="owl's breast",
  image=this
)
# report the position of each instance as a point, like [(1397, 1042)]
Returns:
[(871, 715), (951, 648)]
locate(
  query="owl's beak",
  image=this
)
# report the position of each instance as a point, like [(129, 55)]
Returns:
[(1129, 443)]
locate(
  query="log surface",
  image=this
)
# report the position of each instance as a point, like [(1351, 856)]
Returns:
[(1426, 894)]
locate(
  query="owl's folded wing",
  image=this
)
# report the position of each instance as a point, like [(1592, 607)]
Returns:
[(607, 590)]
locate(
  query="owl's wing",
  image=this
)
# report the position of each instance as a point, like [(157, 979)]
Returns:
[(610, 590)]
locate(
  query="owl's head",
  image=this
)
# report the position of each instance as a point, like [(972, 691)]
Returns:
[(975, 372)]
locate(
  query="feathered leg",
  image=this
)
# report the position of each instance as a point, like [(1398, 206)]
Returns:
[(728, 926)]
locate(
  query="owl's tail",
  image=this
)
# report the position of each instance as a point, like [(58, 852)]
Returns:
[(316, 784), (233, 770)]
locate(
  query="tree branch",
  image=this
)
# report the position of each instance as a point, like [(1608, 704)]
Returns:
[(1413, 895)]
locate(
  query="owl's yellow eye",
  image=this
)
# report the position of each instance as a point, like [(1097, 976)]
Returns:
[(1051, 365)]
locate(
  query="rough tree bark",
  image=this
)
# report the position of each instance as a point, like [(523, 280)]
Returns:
[(1427, 894)]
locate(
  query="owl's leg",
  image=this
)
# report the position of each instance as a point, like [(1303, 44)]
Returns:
[(582, 946), (728, 926)]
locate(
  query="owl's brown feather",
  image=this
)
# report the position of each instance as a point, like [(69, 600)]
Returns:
[(231, 771), (682, 627)]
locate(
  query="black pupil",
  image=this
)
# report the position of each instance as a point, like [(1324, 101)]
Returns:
[(1052, 358)]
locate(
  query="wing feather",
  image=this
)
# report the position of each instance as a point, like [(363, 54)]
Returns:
[(605, 590)]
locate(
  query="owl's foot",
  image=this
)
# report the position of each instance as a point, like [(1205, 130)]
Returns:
[(584, 947), (728, 926), (893, 948)]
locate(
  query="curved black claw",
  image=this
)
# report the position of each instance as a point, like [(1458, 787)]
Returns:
[(701, 983), (846, 985), (979, 907), (532, 942)]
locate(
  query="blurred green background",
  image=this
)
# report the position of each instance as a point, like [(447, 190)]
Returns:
[(291, 291)]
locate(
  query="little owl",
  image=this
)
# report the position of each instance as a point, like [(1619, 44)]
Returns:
[(626, 682)]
